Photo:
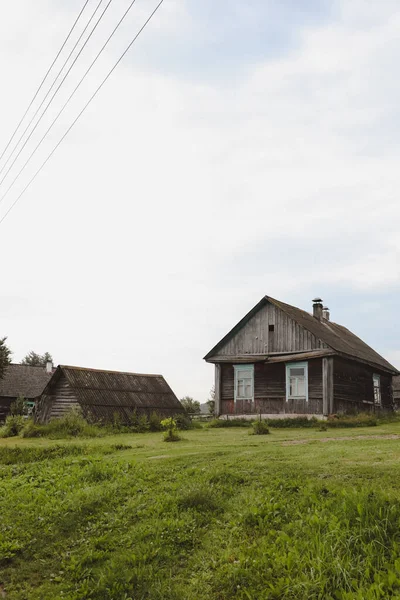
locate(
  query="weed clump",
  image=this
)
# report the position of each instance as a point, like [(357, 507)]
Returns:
[(199, 499), (13, 426), (260, 428), (360, 420)]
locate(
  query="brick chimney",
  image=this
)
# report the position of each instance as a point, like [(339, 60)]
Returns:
[(326, 313), (317, 308)]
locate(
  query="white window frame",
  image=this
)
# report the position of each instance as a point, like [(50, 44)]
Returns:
[(296, 365), (250, 370), (377, 378)]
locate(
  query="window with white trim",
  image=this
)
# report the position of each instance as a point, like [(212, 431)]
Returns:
[(377, 389), (297, 381), (244, 382)]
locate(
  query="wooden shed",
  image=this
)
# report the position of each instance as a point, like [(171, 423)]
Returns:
[(280, 359), (105, 395), (22, 380)]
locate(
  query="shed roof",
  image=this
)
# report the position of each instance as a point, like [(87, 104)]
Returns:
[(102, 391), (23, 380), (337, 337)]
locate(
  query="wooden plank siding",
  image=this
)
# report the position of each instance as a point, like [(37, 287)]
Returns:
[(270, 391), (353, 389), (256, 338), (60, 402)]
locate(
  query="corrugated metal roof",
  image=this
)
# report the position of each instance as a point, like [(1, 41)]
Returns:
[(23, 380), (338, 338), (107, 392)]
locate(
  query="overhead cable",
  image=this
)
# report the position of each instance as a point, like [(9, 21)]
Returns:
[(51, 99), (83, 110), (44, 78)]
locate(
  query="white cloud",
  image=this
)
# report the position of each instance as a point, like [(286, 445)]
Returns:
[(120, 244)]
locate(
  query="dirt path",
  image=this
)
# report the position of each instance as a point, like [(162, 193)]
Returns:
[(344, 438)]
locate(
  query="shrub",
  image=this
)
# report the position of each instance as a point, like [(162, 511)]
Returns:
[(18, 407), (142, 424), (234, 422), (260, 428), (171, 435), (171, 432), (182, 421), (154, 422), (72, 424), (31, 429), (13, 426)]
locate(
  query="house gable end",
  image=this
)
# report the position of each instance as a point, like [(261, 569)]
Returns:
[(267, 329)]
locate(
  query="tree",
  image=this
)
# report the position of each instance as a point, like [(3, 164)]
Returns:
[(211, 401), (36, 360), (5, 357), (191, 406)]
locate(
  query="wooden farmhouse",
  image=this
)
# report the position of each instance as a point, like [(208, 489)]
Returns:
[(396, 392), (22, 380), (282, 360), (105, 395)]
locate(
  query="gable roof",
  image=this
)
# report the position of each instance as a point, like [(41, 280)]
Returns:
[(337, 337), (104, 391), (23, 380)]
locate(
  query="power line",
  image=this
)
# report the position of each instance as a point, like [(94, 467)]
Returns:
[(49, 90), (44, 78), (83, 110), (63, 107), (52, 98)]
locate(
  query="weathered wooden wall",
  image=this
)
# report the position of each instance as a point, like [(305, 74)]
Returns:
[(256, 338), (58, 403), (353, 388), (270, 391), (5, 404)]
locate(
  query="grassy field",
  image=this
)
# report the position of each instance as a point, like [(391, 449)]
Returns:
[(298, 514)]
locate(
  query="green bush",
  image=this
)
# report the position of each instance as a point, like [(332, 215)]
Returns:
[(13, 426), (19, 407), (171, 432), (260, 428), (72, 424), (234, 422), (182, 421), (171, 435), (155, 422), (31, 429)]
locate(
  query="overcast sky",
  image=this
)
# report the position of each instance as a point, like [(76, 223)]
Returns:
[(240, 149)]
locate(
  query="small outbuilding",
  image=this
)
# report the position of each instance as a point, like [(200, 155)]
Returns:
[(22, 380), (106, 395)]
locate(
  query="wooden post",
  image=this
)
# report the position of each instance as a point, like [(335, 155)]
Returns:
[(327, 386), (217, 396)]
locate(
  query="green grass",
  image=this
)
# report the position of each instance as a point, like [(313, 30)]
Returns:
[(297, 514)]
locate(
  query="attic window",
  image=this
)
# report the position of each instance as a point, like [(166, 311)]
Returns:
[(377, 389), (271, 327)]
